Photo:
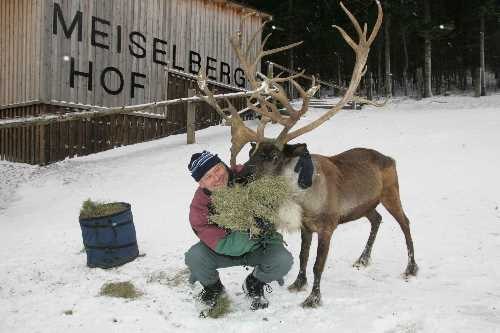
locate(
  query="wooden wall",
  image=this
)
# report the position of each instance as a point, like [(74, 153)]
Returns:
[(37, 51), (23, 144), (36, 56), (20, 50), (43, 144)]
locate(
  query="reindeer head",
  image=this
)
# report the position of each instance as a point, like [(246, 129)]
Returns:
[(265, 90), (269, 159)]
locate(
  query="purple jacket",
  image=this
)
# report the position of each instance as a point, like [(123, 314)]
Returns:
[(210, 234)]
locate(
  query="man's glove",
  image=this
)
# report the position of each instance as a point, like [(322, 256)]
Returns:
[(305, 168), (244, 177), (263, 224)]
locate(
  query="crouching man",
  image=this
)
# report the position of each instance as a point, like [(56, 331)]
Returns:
[(220, 248)]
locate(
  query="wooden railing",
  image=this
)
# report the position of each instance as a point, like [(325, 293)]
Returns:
[(42, 133)]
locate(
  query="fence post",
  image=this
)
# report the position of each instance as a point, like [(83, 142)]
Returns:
[(191, 119), (165, 69), (42, 155), (270, 70)]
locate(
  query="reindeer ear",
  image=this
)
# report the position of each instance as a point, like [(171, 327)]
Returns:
[(294, 150), (252, 150)]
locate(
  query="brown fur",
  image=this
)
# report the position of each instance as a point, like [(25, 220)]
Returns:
[(345, 187)]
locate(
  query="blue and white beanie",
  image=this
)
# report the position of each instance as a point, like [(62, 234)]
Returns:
[(202, 162)]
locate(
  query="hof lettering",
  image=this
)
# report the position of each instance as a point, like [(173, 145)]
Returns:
[(100, 33)]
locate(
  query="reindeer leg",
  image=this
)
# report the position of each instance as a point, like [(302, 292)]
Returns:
[(301, 279), (392, 202), (324, 237), (364, 260)]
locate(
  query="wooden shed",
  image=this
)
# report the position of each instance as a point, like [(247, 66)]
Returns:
[(110, 53)]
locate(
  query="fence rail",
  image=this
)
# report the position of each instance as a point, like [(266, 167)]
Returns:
[(40, 133)]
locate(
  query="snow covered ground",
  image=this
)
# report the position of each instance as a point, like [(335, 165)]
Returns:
[(447, 152)]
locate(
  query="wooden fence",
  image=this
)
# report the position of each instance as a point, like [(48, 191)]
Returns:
[(47, 143)]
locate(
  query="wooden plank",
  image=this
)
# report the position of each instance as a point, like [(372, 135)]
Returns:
[(14, 141), (21, 57), (70, 49), (29, 60), (16, 144), (45, 70), (8, 144), (52, 143), (68, 133), (2, 142), (32, 22), (17, 64), (191, 119), (12, 48), (38, 49), (37, 151), (8, 151), (92, 135), (31, 145), (43, 152), (3, 56), (22, 144), (87, 136), (110, 132)]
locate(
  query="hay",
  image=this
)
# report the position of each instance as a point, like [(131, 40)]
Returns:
[(236, 207), (172, 280), (221, 308), (120, 289), (92, 209)]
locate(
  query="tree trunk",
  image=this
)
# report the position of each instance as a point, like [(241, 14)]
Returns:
[(420, 83), (379, 67), (339, 76), (369, 86), (387, 54), (291, 36), (405, 61), (477, 82), (427, 52), (481, 54)]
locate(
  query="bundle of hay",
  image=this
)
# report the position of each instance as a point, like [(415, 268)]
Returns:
[(120, 289), (237, 207), (93, 209)]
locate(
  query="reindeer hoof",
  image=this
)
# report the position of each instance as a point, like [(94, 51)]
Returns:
[(362, 262), (411, 270), (297, 286), (313, 301)]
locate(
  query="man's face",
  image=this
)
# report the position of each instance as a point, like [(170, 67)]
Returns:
[(215, 178)]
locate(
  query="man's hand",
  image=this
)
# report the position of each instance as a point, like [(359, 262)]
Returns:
[(263, 224), (305, 168), (244, 177)]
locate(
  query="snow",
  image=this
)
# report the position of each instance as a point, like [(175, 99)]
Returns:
[(448, 160)]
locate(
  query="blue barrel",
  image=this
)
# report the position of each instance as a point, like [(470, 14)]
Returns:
[(110, 241)]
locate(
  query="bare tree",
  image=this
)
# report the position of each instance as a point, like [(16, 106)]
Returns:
[(387, 53), (427, 51)]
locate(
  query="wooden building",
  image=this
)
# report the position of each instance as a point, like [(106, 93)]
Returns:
[(110, 53)]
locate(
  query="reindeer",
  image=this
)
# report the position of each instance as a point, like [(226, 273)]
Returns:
[(345, 187)]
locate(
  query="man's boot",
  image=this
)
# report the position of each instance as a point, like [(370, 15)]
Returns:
[(254, 289), (210, 294)]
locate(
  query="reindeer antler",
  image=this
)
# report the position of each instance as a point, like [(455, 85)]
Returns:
[(263, 87), (361, 50), (241, 134)]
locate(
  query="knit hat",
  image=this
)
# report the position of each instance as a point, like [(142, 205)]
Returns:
[(202, 162)]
